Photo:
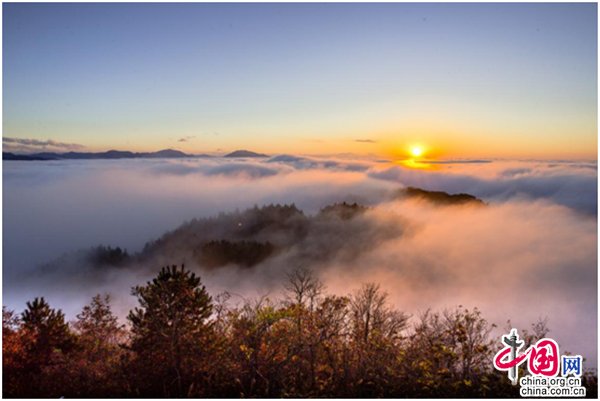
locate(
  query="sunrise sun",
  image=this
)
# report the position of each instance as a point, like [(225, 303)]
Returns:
[(416, 151)]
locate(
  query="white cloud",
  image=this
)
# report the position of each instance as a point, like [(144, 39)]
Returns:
[(25, 145)]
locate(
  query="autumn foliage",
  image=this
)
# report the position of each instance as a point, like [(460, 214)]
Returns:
[(181, 342)]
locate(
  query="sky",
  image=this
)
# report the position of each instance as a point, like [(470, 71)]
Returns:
[(461, 80)]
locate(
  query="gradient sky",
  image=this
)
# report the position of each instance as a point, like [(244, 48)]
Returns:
[(463, 80)]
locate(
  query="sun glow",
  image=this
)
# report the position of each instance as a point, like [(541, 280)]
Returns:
[(416, 151), (414, 154)]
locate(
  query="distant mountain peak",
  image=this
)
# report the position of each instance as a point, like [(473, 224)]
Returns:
[(170, 152), (439, 197), (245, 153)]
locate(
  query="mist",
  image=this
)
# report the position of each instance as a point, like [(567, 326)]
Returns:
[(529, 253)]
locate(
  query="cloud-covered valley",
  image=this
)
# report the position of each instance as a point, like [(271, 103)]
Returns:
[(529, 252)]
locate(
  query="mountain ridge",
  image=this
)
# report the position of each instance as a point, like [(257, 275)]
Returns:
[(109, 154), (124, 154), (256, 235)]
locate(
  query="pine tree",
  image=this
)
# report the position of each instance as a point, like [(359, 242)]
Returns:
[(170, 332), (47, 330), (46, 341)]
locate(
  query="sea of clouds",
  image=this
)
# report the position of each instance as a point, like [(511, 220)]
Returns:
[(530, 253)]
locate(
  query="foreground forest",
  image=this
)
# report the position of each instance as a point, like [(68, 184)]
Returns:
[(181, 342)]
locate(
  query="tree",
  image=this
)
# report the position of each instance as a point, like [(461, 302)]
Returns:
[(170, 333), (303, 287), (13, 352), (41, 345), (373, 317), (95, 366), (97, 323), (376, 340), (48, 326), (304, 290), (261, 348), (10, 321), (330, 335), (449, 354)]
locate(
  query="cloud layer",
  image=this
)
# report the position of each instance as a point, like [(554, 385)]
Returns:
[(530, 253), (24, 145)]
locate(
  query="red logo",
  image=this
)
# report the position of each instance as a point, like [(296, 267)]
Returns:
[(543, 357)]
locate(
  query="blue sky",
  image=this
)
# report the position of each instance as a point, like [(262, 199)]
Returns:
[(462, 79)]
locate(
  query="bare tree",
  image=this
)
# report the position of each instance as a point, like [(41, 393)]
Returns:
[(371, 314), (303, 287)]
